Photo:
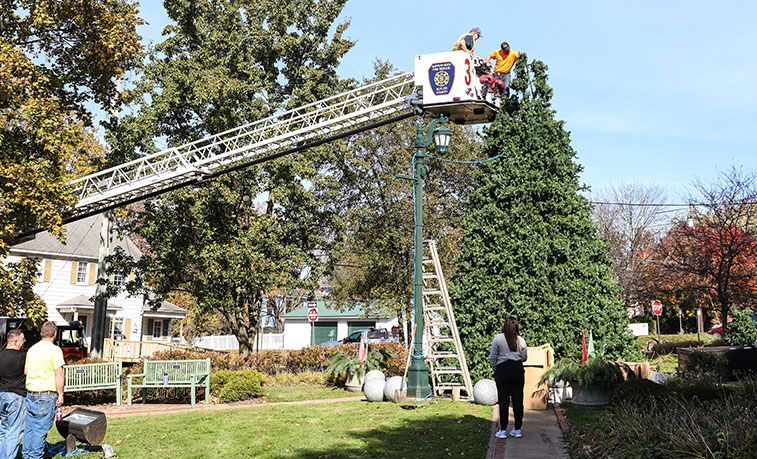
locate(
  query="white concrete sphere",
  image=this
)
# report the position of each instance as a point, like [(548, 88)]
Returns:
[(392, 384), (485, 392), (374, 389), (375, 374)]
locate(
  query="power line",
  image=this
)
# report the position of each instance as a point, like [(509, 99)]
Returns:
[(639, 204)]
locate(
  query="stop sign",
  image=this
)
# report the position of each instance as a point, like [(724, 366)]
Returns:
[(656, 307), (312, 314)]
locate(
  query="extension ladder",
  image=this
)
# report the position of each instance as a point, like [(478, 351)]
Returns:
[(445, 355)]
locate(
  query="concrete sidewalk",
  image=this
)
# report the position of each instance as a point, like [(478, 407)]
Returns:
[(542, 437)]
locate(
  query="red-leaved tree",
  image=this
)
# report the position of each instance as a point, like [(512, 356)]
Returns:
[(716, 247)]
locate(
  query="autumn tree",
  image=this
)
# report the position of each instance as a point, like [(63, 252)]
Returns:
[(225, 63), (717, 246), (530, 248), (57, 60), (632, 217)]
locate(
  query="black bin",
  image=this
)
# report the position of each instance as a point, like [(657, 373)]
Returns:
[(87, 426)]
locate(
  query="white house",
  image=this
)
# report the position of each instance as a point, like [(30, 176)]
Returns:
[(66, 282), (331, 325)]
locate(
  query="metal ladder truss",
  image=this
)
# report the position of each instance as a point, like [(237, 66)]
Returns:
[(177, 165), (446, 358)]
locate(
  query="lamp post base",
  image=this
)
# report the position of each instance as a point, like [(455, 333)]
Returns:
[(417, 380)]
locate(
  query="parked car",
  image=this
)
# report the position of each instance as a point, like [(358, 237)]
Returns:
[(717, 332), (375, 335)]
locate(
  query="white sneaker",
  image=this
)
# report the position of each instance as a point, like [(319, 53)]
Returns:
[(516, 433), (501, 434)]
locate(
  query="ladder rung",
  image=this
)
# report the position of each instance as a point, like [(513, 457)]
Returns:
[(441, 339), (434, 307), (455, 371), (430, 276), (444, 355), (432, 292), (428, 260)]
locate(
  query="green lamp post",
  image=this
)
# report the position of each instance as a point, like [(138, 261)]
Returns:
[(441, 135)]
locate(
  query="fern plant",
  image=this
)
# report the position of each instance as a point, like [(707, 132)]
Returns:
[(596, 372), (346, 365)]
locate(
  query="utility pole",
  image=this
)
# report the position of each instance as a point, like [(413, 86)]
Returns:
[(101, 299), (100, 314)]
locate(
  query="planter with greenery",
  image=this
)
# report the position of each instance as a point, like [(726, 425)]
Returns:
[(349, 370), (591, 382)]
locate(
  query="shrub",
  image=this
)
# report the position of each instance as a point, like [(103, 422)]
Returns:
[(232, 386), (743, 330), (272, 362)]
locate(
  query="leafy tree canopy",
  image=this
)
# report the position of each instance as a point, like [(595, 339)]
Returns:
[(55, 57), (376, 261), (530, 248), (223, 64)]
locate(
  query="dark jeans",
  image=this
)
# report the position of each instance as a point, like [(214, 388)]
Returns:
[(510, 379)]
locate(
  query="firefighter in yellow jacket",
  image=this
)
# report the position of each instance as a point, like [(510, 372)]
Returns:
[(467, 42)]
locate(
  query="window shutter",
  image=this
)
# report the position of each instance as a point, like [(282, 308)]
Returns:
[(127, 329), (47, 270), (149, 328), (74, 267), (167, 328), (92, 273)]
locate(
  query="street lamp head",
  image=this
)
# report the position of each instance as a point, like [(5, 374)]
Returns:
[(442, 138)]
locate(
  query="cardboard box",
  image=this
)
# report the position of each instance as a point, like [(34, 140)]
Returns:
[(535, 393)]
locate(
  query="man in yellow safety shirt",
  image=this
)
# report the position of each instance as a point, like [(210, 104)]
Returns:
[(504, 59), (467, 42)]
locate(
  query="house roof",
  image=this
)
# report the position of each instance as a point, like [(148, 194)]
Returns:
[(82, 241), (82, 302), (353, 310), (165, 309)]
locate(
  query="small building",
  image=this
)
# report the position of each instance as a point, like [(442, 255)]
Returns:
[(331, 325), (67, 281)]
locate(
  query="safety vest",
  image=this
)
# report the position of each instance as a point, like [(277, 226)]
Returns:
[(457, 46)]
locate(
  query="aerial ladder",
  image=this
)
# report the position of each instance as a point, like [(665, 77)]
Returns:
[(448, 84)]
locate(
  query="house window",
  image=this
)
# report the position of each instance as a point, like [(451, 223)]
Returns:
[(118, 327), (157, 329), (81, 273), (118, 279)]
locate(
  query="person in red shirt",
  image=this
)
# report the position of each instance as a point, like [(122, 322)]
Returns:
[(504, 59)]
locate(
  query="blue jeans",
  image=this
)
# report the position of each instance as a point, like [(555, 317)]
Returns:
[(12, 420), (40, 415)]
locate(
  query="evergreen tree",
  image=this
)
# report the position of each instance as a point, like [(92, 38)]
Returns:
[(530, 248)]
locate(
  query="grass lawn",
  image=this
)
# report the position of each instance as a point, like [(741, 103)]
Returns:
[(335, 430), (297, 393)]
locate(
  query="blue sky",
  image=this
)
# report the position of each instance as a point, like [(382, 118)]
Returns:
[(657, 92)]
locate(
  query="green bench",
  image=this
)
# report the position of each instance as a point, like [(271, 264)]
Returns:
[(94, 376), (172, 373)]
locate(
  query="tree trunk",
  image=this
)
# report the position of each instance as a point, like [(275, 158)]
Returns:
[(724, 321), (246, 338)]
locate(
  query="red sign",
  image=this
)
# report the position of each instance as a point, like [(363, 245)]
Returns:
[(312, 314), (656, 307)]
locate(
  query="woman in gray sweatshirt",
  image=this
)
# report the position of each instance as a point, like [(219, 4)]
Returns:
[(507, 356)]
